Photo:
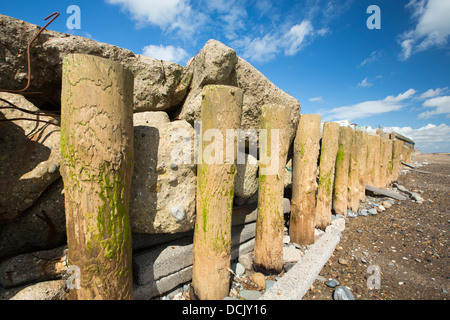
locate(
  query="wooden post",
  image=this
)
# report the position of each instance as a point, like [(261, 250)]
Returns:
[(396, 156), (304, 175), (97, 159), (328, 151), (370, 163), (220, 110), (268, 253), (362, 162), (353, 176), (383, 162), (340, 189), (390, 163), (377, 161)]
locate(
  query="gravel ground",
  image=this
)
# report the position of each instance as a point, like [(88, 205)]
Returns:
[(407, 244)]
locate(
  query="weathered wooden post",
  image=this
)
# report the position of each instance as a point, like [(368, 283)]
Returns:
[(268, 252), (304, 175), (340, 189), (328, 151), (377, 162), (362, 162), (353, 175), (384, 161), (404, 153), (220, 111), (370, 163), (396, 155), (97, 161), (390, 163)]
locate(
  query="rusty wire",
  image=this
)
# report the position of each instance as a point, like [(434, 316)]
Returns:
[(54, 15)]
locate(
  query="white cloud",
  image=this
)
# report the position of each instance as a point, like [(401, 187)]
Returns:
[(365, 83), (441, 105), (169, 53), (265, 48), (431, 93), (370, 108), (169, 15), (292, 41), (432, 29), (159, 13), (373, 57), (316, 99), (429, 138)]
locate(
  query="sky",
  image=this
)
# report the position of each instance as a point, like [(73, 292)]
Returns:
[(375, 63)]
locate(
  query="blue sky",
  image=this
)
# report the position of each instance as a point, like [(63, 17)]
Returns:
[(321, 52)]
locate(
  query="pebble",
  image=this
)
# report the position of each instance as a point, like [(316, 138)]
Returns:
[(386, 204), (343, 293), (259, 279), (246, 260), (173, 166), (321, 279), (342, 261), (363, 212), (380, 208), (250, 294), (332, 283), (372, 211), (178, 212), (52, 169), (359, 231), (238, 269), (351, 214)]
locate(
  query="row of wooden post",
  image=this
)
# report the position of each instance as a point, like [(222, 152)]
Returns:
[(97, 166)]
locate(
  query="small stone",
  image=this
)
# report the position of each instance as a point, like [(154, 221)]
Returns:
[(363, 212), (250, 294), (332, 283), (363, 260), (321, 279), (351, 214), (259, 279), (386, 204), (380, 208), (359, 231), (372, 211), (238, 269), (246, 260), (52, 169), (343, 293), (286, 239), (173, 166), (342, 261), (178, 212)]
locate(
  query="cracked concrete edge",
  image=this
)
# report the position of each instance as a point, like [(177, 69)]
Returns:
[(296, 282)]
